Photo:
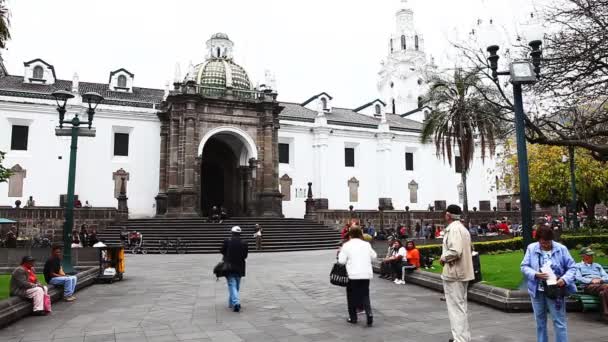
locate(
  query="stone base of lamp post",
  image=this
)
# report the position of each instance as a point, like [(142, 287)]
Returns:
[(385, 203)]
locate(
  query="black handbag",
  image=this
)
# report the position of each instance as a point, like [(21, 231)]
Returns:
[(338, 275), (476, 268), (552, 291)]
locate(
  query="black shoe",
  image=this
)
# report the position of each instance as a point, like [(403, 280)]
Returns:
[(39, 313), (370, 321), (451, 340), (351, 321), (237, 308)]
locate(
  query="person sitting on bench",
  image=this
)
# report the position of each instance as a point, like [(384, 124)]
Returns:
[(24, 284), (594, 279)]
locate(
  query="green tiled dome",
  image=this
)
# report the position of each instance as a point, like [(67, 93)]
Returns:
[(222, 73)]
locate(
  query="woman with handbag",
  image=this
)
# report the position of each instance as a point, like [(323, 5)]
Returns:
[(549, 271), (357, 255)]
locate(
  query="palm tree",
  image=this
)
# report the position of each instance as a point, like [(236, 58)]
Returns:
[(5, 34), (461, 119)]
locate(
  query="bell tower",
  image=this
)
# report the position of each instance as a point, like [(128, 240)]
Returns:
[(402, 80)]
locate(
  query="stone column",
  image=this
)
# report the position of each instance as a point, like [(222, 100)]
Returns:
[(188, 197), (161, 198), (270, 198), (123, 209), (320, 159), (173, 197)]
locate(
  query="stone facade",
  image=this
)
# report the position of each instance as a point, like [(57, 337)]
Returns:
[(192, 120)]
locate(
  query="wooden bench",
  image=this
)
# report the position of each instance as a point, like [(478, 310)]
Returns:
[(588, 302)]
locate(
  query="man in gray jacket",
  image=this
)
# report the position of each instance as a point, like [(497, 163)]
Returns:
[(24, 284), (457, 263)]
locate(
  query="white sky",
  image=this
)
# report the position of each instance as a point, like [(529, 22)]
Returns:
[(311, 46)]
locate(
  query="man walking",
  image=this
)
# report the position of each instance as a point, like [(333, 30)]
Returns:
[(457, 263), (53, 274), (235, 252)]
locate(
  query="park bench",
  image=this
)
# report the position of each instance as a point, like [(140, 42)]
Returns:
[(588, 302)]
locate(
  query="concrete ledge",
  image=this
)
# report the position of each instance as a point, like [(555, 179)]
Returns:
[(15, 308), (496, 297)]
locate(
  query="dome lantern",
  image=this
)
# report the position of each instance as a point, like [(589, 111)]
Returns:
[(219, 46)]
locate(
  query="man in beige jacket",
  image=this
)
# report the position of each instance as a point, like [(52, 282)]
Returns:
[(457, 263)]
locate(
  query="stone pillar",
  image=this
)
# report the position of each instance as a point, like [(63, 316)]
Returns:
[(173, 197), (188, 196), (123, 209), (161, 198), (270, 198), (310, 205)]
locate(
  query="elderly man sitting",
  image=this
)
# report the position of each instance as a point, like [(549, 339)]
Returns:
[(594, 278), (24, 284)]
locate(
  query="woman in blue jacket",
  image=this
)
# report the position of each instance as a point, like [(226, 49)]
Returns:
[(551, 253)]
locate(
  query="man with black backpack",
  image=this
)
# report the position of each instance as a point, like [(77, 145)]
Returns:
[(235, 252)]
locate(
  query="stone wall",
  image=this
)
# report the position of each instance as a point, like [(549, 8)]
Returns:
[(391, 218), (49, 220)]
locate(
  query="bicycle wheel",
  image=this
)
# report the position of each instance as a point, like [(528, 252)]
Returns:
[(144, 251), (162, 250)]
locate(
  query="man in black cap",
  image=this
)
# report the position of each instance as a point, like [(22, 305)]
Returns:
[(235, 252), (24, 284), (457, 263)]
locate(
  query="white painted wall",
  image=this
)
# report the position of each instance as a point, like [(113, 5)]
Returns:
[(436, 179), (47, 174)]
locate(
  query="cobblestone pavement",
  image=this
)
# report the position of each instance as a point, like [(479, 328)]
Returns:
[(285, 297)]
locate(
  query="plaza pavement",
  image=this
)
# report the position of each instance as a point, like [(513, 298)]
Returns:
[(285, 297)]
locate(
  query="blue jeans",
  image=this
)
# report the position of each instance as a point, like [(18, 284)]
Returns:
[(234, 286), (557, 310), (68, 283)]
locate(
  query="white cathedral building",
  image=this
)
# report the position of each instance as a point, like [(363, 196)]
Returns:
[(228, 143)]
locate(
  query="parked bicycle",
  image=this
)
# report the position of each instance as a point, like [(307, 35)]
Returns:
[(177, 245)]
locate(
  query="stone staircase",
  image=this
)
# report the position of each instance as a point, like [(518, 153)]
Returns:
[(280, 234)]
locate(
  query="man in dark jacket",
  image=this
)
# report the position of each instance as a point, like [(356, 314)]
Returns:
[(235, 252)]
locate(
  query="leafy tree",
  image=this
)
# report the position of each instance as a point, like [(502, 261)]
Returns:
[(460, 119), (549, 176), (4, 172)]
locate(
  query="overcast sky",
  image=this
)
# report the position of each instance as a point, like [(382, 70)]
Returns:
[(311, 46)]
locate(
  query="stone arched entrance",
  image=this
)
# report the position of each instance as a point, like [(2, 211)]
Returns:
[(226, 162)]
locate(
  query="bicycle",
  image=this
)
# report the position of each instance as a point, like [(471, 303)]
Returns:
[(180, 246), (163, 246)]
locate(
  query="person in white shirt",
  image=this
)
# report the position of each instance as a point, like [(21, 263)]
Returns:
[(398, 261), (357, 255)]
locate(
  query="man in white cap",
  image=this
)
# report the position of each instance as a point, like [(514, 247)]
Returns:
[(235, 252), (457, 263)]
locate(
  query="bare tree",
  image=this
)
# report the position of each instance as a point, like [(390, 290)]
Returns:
[(569, 105)]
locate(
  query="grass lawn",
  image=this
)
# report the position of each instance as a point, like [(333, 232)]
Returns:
[(502, 270), (5, 283)]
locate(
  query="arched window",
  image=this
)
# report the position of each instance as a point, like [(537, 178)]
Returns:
[(122, 81), (324, 103), (416, 42), (394, 107), (420, 102), (38, 72), (378, 110), (403, 46), (391, 45), (219, 52)]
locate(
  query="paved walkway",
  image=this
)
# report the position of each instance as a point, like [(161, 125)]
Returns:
[(286, 297)]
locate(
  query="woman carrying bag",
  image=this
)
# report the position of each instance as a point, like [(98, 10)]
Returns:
[(549, 270), (357, 255)]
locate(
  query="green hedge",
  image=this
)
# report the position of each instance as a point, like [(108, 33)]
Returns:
[(570, 241)]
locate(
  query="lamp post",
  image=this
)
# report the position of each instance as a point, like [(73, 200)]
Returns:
[(62, 97), (573, 206), (521, 72)]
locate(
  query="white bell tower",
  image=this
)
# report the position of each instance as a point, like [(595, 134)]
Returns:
[(402, 80)]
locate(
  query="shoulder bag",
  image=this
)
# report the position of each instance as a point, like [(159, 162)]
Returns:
[(552, 291), (338, 275)]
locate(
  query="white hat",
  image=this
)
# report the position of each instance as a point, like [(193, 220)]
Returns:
[(236, 229)]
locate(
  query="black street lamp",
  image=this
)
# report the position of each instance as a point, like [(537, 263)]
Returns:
[(62, 97), (521, 72)]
